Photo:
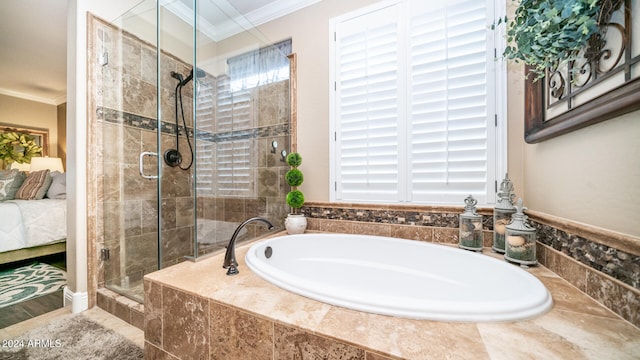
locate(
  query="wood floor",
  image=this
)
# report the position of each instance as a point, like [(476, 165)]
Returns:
[(34, 307), (26, 310)]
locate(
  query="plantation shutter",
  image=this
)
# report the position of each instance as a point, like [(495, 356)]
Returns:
[(233, 151), (205, 150), (449, 107), (367, 102), (413, 103)]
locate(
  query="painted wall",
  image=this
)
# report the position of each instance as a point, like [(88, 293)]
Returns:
[(61, 111), (590, 176), (27, 113)]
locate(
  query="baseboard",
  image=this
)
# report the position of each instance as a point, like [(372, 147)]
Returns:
[(78, 301)]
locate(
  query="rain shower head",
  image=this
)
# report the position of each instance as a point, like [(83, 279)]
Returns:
[(199, 74)]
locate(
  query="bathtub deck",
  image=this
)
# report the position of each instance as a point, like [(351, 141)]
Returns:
[(194, 309)]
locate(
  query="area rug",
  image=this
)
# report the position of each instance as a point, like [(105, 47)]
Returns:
[(28, 282), (70, 338)]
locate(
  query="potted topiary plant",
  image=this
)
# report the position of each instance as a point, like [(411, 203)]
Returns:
[(295, 223), (544, 33), (20, 148)]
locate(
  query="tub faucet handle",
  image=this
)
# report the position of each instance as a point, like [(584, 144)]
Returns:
[(232, 270)]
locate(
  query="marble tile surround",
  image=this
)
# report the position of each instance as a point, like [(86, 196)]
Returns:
[(579, 255), (244, 317)]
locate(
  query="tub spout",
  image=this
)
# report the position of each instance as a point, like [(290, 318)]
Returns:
[(230, 262)]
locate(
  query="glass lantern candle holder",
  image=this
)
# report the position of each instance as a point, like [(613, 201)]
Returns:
[(470, 226), (520, 241), (502, 213)]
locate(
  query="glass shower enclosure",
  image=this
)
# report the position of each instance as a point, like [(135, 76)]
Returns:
[(193, 111)]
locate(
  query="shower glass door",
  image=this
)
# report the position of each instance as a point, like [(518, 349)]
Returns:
[(146, 205), (241, 102), (193, 118)]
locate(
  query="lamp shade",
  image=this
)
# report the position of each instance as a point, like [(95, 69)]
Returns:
[(21, 167), (42, 163)]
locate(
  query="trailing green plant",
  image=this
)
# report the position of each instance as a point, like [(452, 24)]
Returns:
[(543, 33), (294, 177), (16, 147)]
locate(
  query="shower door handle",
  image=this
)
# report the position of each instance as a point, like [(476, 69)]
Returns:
[(142, 155)]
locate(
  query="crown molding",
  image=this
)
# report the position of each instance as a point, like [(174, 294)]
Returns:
[(236, 22), (277, 9), (56, 101)]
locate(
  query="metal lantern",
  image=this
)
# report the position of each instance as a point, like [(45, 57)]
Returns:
[(470, 226), (502, 213), (520, 242)]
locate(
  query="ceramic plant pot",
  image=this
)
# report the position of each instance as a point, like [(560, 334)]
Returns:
[(295, 224)]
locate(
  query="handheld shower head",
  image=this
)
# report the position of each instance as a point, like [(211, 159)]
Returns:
[(172, 156), (177, 76)]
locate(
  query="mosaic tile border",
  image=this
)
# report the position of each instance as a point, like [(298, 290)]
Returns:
[(392, 216), (145, 123), (616, 263)]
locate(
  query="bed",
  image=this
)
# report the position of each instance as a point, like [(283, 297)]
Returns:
[(32, 228)]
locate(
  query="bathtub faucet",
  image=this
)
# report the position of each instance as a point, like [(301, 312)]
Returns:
[(230, 262)]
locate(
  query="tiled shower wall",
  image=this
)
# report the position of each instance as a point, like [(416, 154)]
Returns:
[(602, 264), (125, 124)]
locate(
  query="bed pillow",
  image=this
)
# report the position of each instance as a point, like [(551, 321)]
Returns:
[(10, 182), (35, 186), (58, 188)]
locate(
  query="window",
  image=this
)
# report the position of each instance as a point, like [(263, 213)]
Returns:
[(260, 67), (227, 167), (416, 106)]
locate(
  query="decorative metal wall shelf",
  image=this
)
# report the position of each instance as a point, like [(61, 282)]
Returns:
[(603, 83)]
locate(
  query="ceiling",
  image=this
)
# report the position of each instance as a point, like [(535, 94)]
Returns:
[(33, 37), (33, 60)]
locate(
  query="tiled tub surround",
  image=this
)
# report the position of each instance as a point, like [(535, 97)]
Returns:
[(603, 264), (191, 315)]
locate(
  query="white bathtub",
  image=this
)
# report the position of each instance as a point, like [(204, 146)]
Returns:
[(400, 278)]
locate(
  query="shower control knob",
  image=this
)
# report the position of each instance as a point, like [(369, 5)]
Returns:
[(172, 157)]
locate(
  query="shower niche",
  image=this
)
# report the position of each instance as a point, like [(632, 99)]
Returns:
[(185, 113)]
